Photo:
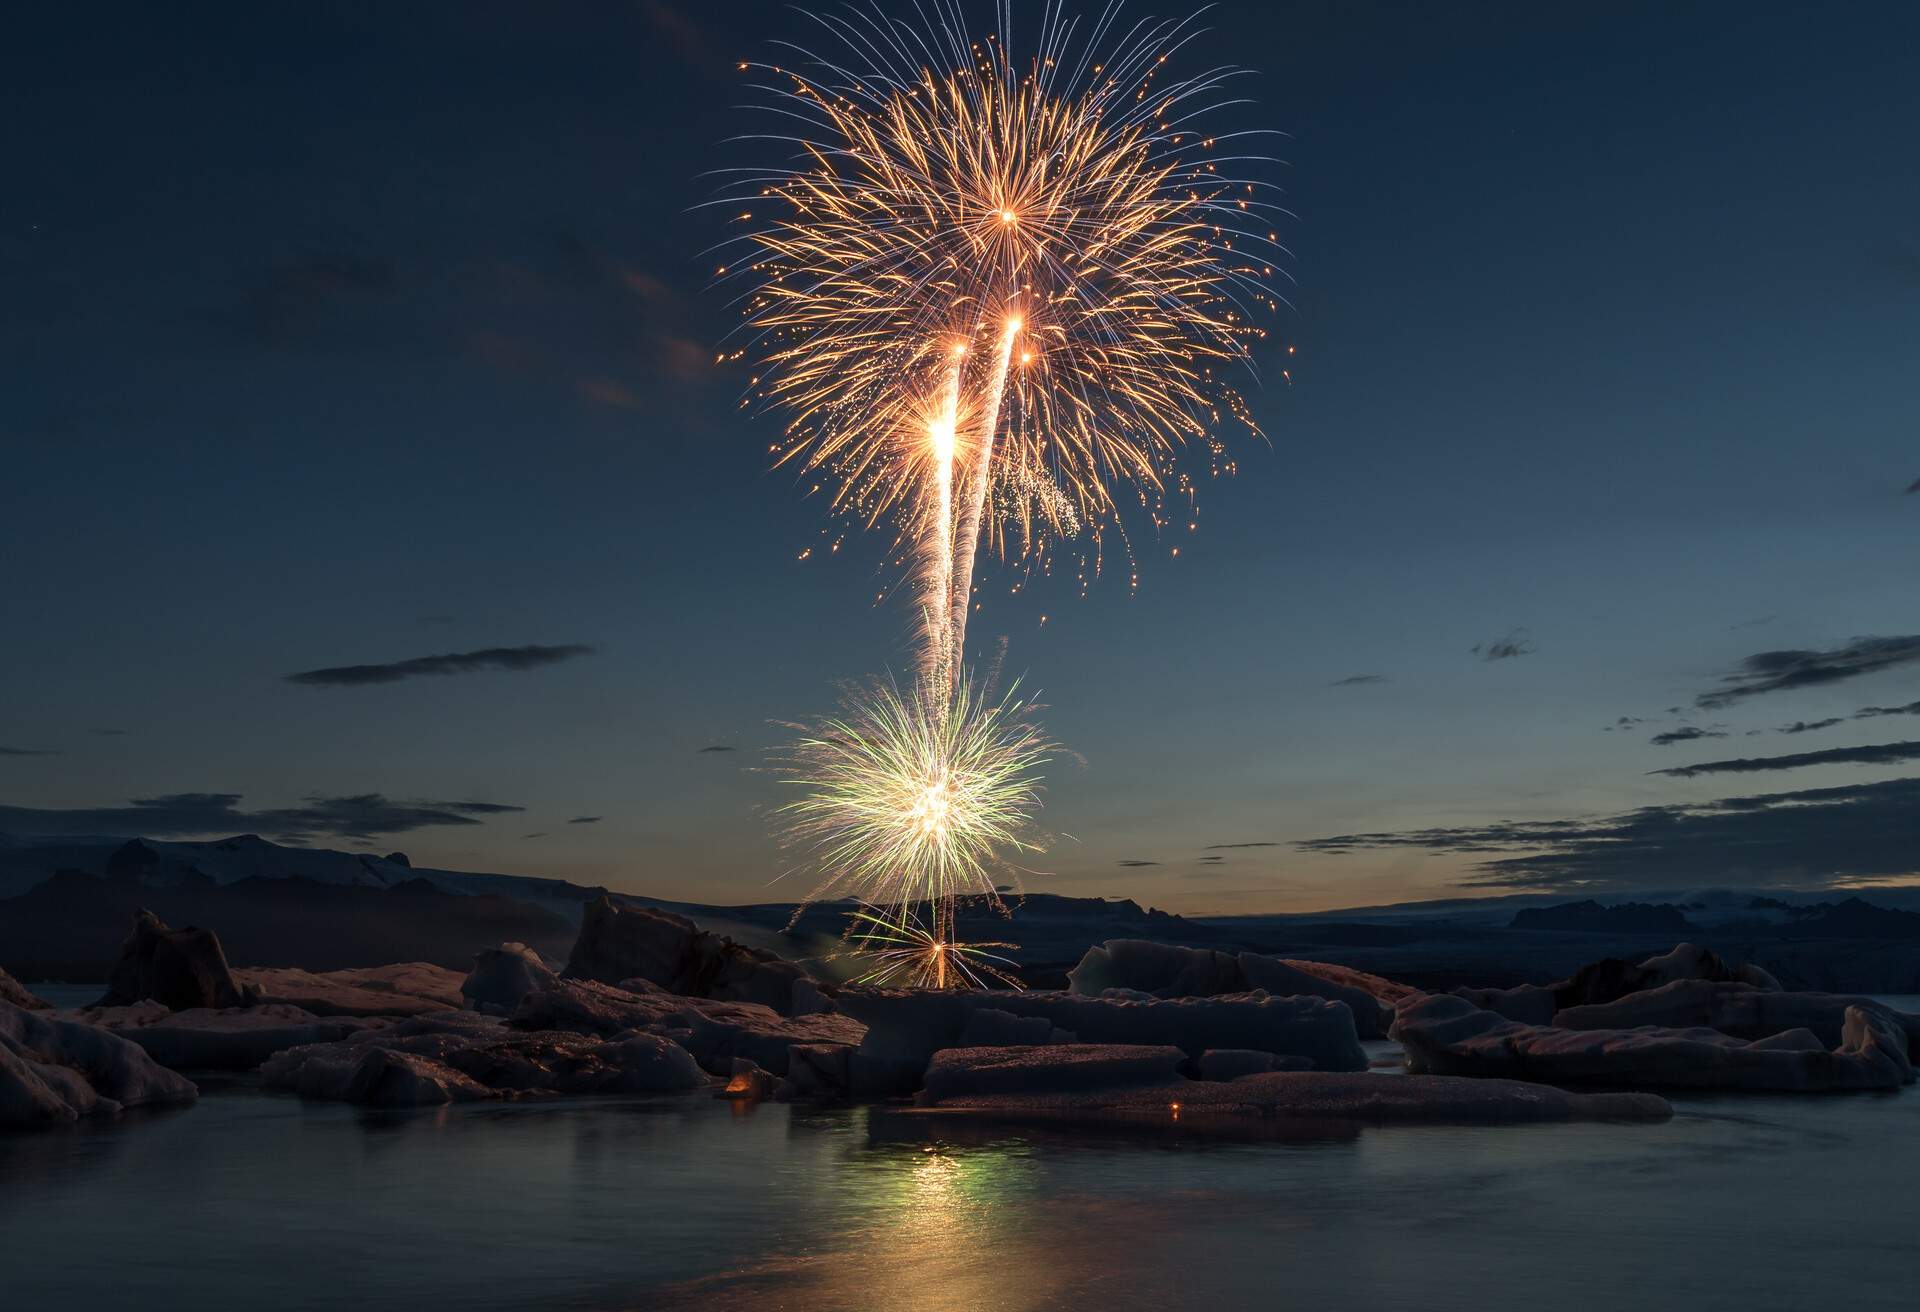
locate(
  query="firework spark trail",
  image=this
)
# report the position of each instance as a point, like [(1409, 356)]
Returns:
[(939, 658), (966, 541)]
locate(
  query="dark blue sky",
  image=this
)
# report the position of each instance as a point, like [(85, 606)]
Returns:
[(340, 334)]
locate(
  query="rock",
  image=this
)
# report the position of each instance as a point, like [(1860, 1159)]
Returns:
[(54, 1070), (808, 999), (1527, 1003), (178, 968), (715, 1031), (619, 941), (1166, 971), (747, 1083), (463, 1056), (382, 1077), (1611, 978), (992, 1028), (1387, 991), (1051, 1068), (407, 988), (1161, 969), (502, 976), (16, 994), (1282, 978), (1265, 1103), (1443, 1034), (816, 1072), (1691, 961), (905, 1028), (217, 1039), (1232, 1063), (1738, 1009)]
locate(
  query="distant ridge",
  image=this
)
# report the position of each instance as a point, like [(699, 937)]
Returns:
[(154, 863), (1590, 917)]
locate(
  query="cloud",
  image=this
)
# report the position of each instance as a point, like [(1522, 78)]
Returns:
[(1782, 671), (1138, 863), (688, 39), (1208, 860), (1686, 734), (1811, 838), (541, 834), (1221, 847), (584, 820), (1913, 487), (29, 751), (717, 747), (1355, 680), (609, 392), (1505, 649), (464, 662), (312, 298), (1880, 754), (1868, 712), (177, 815), (1808, 726)]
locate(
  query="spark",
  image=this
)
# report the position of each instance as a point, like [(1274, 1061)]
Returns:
[(900, 951), (904, 802)]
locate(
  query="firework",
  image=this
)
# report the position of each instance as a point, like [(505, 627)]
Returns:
[(905, 803), (900, 951), (979, 262), (992, 293)]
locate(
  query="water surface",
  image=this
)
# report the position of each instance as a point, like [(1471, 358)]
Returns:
[(258, 1200)]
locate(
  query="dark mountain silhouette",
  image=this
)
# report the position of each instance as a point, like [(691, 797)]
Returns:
[(1854, 918), (71, 926), (1590, 917)]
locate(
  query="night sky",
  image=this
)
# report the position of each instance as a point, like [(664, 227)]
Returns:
[(347, 335)]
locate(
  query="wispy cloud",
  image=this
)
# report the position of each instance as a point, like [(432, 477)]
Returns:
[(315, 299), (1685, 734), (1222, 847), (180, 815), (463, 662), (718, 747), (1869, 712), (1809, 838), (1810, 726), (1782, 671), (584, 820), (1877, 754), (1132, 864), (1505, 649), (1355, 680)]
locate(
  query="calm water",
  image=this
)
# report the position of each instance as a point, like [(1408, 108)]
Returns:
[(254, 1200)]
